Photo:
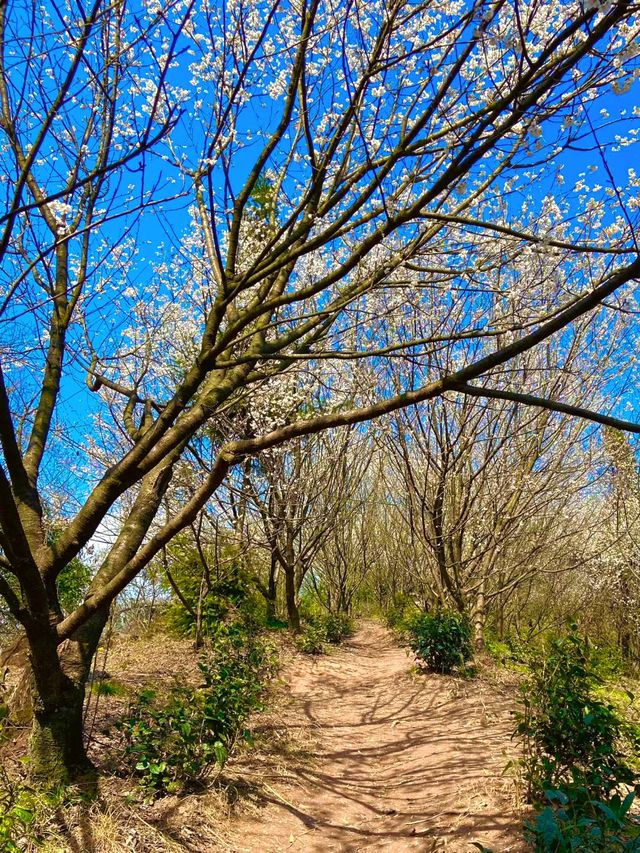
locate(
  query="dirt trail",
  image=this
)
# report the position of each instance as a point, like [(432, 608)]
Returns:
[(398, 762)]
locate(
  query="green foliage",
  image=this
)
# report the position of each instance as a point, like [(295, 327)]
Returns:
[(108, 688), (337, 627), (17, 810), (275, 624), (574, 755), (312, 639), (606, 661), (176, 740), (399, 612), (230, 594), (573, 822), (73, 580), (72, 583), (511, 651), (568, 733), (519, 649), (325, 628), (16, 816), (442, 641)]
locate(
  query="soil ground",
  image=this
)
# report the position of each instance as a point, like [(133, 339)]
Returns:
[(357, 752), (398, 761)]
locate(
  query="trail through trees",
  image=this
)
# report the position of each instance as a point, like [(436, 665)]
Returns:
[(398, 762)]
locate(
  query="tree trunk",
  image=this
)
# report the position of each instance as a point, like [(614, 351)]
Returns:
[(57, 754), (272, 591), (293, 614), (479, 618), (271, 612)]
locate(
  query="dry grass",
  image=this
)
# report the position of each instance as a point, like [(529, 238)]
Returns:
[(115, 819)]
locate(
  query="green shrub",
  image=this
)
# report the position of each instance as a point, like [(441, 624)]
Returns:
[(108, 688), (574, 755), (16, 816), (16, 808), (336, 626), (399, 612), (176, 740), (442, 641), (275, 624), (570, 735), (519, 649), (573, 822), (312, 639), (324, 628), (606, 661), (230, 595)]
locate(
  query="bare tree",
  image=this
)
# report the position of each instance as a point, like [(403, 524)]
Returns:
[(301, 494)]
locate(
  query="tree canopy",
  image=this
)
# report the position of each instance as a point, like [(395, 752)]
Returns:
[(209, 206)]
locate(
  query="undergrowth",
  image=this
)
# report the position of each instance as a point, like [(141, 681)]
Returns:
[(176, 740), (17, 805), (441, 641), (577, 750), (331, 628)]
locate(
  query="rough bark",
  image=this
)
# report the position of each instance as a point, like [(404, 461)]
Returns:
[(293, 614), (57, 754)]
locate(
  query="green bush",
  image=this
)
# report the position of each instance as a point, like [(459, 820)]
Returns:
[(336, 626), (570, 735), (176, 740), (325, 628), (230, 595), (16, 816), (312, 639), (574, 755), (229, 598), (16, 807), (442, 641), (573, 822), (399, 612)]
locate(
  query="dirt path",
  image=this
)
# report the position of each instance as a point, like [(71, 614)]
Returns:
[(397, 762)]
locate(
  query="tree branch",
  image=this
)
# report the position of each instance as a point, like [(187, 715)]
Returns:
[(545, 403)]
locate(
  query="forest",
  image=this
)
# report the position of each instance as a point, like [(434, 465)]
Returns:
[(319, 404)]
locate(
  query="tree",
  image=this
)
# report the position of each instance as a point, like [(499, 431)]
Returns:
[(397, 143), (300, 493), (617, 560), (487, 493)]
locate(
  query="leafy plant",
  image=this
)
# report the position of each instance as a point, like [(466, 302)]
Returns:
[(211, 597), (573, 822), (574, 756), (336, 626), (108, 688), (176, 740), (324, 628), (399, 612), (442, 640), (16, 816), (16, 809), (569, 734), (312, 639)]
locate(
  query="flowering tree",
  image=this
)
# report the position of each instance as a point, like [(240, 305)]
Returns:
[(303, 498), (198, 196), (488, 488), (615, 585)]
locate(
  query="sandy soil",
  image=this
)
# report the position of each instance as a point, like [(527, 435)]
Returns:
[(397, 761), (356, 752)]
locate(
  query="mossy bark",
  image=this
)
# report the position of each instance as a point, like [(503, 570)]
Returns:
[(57, 754)]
